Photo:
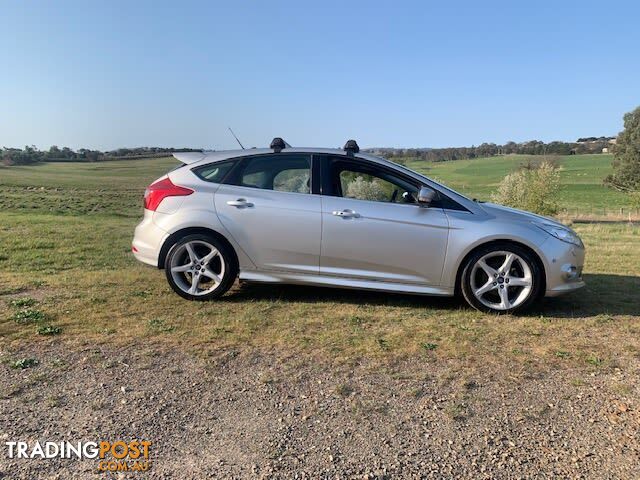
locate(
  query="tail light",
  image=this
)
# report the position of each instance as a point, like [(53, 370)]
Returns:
[(158, 191)]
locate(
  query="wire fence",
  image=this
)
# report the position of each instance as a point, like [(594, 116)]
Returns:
[(595, 214)]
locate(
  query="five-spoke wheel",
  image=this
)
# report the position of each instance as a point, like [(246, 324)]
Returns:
[(500, 278), (199, 267)]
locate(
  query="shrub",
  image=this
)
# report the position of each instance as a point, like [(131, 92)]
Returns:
[(365, 190), (534, 188), (292, 181)]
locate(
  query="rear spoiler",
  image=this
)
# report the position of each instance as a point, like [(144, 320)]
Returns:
[(189, 157)]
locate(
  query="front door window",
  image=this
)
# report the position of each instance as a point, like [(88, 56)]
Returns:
[(364, 182)]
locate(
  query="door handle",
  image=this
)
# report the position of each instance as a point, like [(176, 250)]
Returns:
[(240, 203), (346, 213)]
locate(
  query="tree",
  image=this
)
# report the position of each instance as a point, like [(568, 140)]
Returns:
[(626, 155)]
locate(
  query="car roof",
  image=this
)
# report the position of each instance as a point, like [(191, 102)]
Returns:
[(199, 158)]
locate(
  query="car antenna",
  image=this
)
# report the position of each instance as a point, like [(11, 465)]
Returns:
[(234, 136)]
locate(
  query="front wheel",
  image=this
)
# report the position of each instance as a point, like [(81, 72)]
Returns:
[(200, 267), (501, 278)]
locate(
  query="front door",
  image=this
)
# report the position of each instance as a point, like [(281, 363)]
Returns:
[(268, 208), (373, 229)]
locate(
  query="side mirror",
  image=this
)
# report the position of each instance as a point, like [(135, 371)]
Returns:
[(426, 196)]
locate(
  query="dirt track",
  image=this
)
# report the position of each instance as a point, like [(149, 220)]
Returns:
[(251, 415)]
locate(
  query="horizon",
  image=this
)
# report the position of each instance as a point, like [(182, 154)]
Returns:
[(124, 75), (237, 147)]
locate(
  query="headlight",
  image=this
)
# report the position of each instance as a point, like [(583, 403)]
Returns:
[(561, 233)]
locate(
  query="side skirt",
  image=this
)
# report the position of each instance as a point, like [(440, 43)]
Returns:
[(329, 281)]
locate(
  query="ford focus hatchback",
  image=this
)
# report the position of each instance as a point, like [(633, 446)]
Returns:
[(341, 218)]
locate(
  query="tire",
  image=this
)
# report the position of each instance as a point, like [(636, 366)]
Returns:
[(206, 260), (501, 278)]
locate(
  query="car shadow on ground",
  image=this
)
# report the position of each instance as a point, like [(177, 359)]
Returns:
[(604, 295), (313, 294)]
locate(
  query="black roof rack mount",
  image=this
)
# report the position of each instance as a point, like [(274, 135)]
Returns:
[(278, 144), (351, 147)]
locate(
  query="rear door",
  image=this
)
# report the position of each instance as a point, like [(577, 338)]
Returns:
[(267, 205), (373, 229)]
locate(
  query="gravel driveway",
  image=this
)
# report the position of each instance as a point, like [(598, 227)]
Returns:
[(243, 414)]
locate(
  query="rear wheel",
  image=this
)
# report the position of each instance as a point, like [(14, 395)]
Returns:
[(200, 267), (501, 278)]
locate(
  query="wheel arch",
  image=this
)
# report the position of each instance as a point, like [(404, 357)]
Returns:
[(524, 246), (177, 235)]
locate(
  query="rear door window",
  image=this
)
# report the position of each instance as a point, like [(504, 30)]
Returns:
[(280, 172)]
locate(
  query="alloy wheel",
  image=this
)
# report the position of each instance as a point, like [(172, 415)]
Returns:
[(197, 267), (501, 280)]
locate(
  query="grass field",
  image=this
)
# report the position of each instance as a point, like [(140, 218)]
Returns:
[(113, 188), (581, 177), (65, 263)]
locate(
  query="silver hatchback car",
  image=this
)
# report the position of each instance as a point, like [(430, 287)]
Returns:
[(341, 218)]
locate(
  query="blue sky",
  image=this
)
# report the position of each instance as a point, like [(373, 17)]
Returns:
[(396, 73)]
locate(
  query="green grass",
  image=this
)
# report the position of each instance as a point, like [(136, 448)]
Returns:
[(581, 176), (66, 255), (80, 188)]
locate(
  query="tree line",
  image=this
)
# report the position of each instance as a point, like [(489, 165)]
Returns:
[(31, 154), (533, 147)]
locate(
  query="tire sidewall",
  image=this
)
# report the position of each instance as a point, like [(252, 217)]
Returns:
[(536, 273), (230, 274)]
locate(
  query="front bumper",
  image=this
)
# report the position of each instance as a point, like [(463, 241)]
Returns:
[(564, 264), (147, 240)]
